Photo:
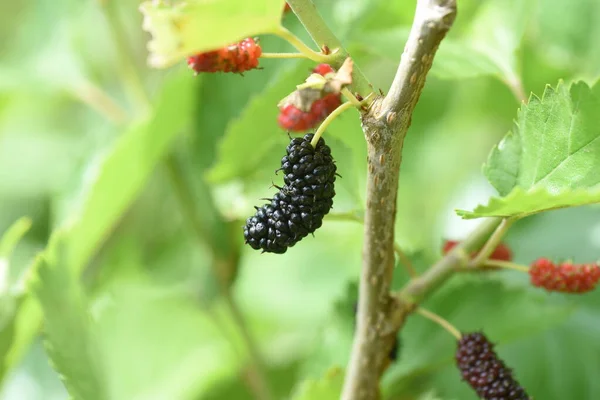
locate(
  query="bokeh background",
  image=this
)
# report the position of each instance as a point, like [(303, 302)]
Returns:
[(91, 136)]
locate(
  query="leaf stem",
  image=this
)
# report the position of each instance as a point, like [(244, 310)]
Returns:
[(314, 24), (283, 55), (506, 265), (328, 120), (492, 243), (352, 98), (352, 216), (440, 321), (295, 41)]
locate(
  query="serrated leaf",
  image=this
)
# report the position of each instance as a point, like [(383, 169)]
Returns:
[(550, 159), (68, 328), (327, 388), (251, 136), (190, 27)]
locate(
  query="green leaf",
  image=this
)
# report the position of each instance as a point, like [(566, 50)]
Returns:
[(497, 31), (190, 27), (249, 138), (113, 186), (327, 388), (68, 328), (12, 236), (549, 160), (171, 348)]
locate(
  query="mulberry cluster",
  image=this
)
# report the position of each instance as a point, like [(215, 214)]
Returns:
[(484, 371), (239, 57), (565, 277), (501, 253), (300, 205), (292, 118)]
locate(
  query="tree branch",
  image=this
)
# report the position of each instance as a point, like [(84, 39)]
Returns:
[(307, 13), (385, 126)]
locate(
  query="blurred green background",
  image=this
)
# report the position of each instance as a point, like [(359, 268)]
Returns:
[(128, 157)]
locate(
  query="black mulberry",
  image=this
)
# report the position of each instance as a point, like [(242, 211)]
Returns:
[(300, 205), (484, 371)]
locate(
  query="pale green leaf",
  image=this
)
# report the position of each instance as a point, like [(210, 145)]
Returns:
[(189, 27), (327, 388), (255, 133), (12, 236), (455, 59), (126, 166), (497, 31), (68, 329), (159, 343), (550, 159)]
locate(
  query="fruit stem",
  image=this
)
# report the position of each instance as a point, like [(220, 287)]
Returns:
[(440, 321), (302, 47), (352, 98), (404, 260), (328, 120), (492, 243), (506, 265), (283, 55)]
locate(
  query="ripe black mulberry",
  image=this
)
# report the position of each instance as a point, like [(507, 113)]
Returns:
[(300, 205), (484, 371)]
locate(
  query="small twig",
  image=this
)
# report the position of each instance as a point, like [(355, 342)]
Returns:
[(506, 265), (440, 321), (354, 216), (283, 55), (329, 120), (309, 16), (351, 97), (405, 261), (302, 47), (492, 243)]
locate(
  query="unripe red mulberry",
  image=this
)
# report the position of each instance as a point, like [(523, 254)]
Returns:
[(501, 253), (238, 57), (291, 118), (323, 69), (481, 368), (565, 277)]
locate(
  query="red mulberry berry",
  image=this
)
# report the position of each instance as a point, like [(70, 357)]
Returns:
[(566, 277), (293, 119), (239, 57), (323, 69), (481, 368), (299, 207), (501, 253)]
